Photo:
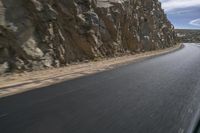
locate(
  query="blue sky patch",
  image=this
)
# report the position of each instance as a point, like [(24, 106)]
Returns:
[(184, 14)]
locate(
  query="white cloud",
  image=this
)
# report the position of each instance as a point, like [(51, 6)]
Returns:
[(180, 11), (195, 22), (171, 5)]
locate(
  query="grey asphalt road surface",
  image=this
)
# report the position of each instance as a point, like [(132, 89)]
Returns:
[(155, 95)]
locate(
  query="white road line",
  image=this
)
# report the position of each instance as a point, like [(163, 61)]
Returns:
[(3, 115)]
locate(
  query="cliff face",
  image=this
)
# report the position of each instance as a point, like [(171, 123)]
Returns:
[(43, 33)]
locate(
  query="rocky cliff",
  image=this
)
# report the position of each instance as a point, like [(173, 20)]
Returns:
[(35, 34)]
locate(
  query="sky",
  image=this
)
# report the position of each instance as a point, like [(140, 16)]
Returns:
[(184, 14)]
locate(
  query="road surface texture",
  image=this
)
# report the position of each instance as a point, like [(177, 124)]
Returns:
[(155, 95)]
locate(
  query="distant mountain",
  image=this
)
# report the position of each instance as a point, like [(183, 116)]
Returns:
[(188, 35)]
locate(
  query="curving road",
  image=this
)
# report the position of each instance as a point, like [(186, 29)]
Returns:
[(155, 95)]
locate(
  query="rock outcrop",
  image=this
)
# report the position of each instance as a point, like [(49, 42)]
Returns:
[(35, 34)]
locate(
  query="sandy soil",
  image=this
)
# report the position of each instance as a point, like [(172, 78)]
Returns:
[(21, 82)]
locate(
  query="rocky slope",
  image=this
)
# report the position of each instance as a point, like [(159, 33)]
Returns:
[(35, 34)]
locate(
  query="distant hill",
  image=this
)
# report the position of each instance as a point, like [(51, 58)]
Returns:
[(188, 35)]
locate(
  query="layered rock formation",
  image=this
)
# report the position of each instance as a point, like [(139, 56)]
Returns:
[(50, 33)]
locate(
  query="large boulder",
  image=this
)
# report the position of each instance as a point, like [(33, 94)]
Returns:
[(4, 68)]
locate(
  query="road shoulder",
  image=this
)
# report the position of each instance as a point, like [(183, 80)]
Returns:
[(22, 82)]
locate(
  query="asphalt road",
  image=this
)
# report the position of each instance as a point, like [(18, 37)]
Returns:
[(155, 95)]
